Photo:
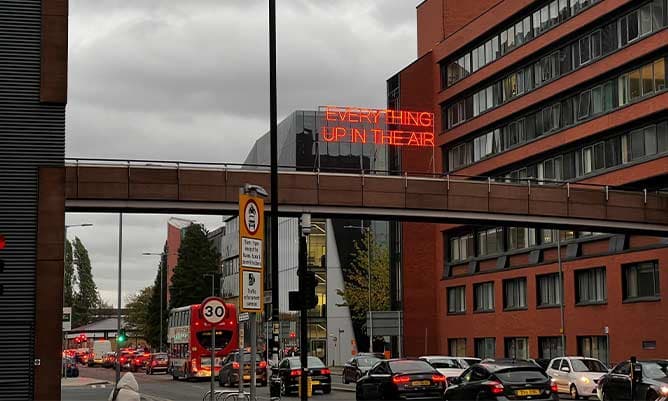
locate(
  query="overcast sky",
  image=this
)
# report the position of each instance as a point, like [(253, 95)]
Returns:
[(189, 80)]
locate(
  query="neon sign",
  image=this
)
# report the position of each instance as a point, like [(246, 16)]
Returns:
[(377, 126)]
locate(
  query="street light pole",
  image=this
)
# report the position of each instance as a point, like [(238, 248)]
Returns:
[(118, 314)]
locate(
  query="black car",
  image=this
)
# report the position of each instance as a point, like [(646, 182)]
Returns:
[(357, 367), (651, 382), (70, 368), (229, 370), (501, 380), (288, 372), (397, 379)]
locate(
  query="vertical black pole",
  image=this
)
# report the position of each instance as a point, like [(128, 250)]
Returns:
[(303, 318), (273, 126)]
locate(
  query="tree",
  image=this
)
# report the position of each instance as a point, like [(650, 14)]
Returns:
[(70, 278), (356, 292), (197, 256), (87, 298), (137, 306), (153, 311)]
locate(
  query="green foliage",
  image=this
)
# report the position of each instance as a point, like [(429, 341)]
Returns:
[(70, 278), (87, 298), (137, 306), (152, 335), (356, 292), (197, 256)]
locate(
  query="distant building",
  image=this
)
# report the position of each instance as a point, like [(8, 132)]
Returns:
[(175, 232)]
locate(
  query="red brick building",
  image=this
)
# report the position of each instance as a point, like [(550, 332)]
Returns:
[(175, 232), (547, 91)]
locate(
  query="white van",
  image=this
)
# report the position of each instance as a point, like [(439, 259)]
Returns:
[(100, 347)]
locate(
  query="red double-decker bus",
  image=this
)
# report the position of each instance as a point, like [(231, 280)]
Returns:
[(189, 341)]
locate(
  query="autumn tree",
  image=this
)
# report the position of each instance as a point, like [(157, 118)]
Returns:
[(197, 256), (356, 291), (138, 306)]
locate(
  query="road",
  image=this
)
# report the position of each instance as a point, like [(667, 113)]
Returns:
[(161, 387)]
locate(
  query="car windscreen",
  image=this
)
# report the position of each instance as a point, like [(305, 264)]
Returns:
[(367, 361), (588, 365), (470, 362), (410, 367), (521, 375), (444, 363), (247, 357), (311, 362), (655, 370), (160, 357)]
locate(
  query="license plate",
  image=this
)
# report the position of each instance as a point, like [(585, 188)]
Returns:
[(246, 377), (420, 383), (531, 391), (315, 382)]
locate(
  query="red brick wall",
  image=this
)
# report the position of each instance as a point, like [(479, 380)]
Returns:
[(652, 317), (173, 245)]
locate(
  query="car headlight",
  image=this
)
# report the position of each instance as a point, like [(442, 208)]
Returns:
[(664, 390), (584, 380)]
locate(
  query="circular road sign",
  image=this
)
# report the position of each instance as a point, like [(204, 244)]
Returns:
[(213, 310), (252, 217)]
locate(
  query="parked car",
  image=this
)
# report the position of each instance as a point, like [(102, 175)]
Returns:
[(357, 367), (70, 368), (395, 379), (157, 362), (81, 355), (501, 380), (125, 359), (287, 374), (543, 363), (229, 370), (576, 376), (651, 382), (138, 361), (100, 348), (108, 360), (449, 366)]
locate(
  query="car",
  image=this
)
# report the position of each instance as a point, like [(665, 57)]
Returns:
[(650, 377), (450, 366), (229, 370), (125, 359), (576, 376), (138, 361), (70, 368), (157, 362), (395, 379), (357, 367), (502, 380), (81, 355), (100, 348), (288, 372), (108, 359)]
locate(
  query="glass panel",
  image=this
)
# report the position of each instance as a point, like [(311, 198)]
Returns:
[(650, 140), (660, 74), (623, 31), (583, 105), (646, 19), (662, 136), (647, 79), (526, 28), (544, 18), (637, 144), (597, 100), (657, 13), (596, 45), (623, 89), (585, 51), (609, 38), (634, 85), (633, 25)]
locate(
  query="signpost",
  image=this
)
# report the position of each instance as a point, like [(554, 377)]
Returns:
[(67, 318), (213, 311), (251, 270)]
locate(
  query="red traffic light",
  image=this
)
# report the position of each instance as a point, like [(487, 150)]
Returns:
[(3, 242), (293, 334)]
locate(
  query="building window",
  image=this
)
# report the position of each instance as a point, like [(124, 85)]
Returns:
[(517, 347), (649, 344), (461, 247), (641, 280), (483, 295), (485, 347), (593, 347), (515, 293), (457, 347), (549, 290), (550, 347), (490, 241), (457, 299), (590, 286), (521, 237)]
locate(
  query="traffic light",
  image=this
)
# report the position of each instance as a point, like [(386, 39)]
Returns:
[(307, 285), (122, 337)]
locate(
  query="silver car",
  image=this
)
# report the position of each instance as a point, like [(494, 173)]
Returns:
[(576, 376)]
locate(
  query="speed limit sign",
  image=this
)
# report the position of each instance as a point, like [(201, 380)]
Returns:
[(213, 310)]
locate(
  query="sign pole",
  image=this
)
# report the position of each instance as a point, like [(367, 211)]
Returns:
[(213, 341), (253, 338), (213, 311)]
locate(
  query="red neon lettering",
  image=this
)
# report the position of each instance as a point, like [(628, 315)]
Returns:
[(427, 119), (412, 118), (359, 134), (428, 139), (330, 115), (414, 140), (376, 135), (328, 134), (340, 133)]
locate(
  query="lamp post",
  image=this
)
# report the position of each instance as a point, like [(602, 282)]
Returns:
[(161, 254), (362, 228)]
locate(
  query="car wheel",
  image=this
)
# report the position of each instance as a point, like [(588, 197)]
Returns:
[(326, 390), (345, 378), (229, 381), (284, 389), (574, 392)]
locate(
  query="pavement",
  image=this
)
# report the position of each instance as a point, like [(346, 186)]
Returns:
[(82, 381)]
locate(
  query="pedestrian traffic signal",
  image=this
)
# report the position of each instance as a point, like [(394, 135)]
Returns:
[(121, 336), (307, 285)]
